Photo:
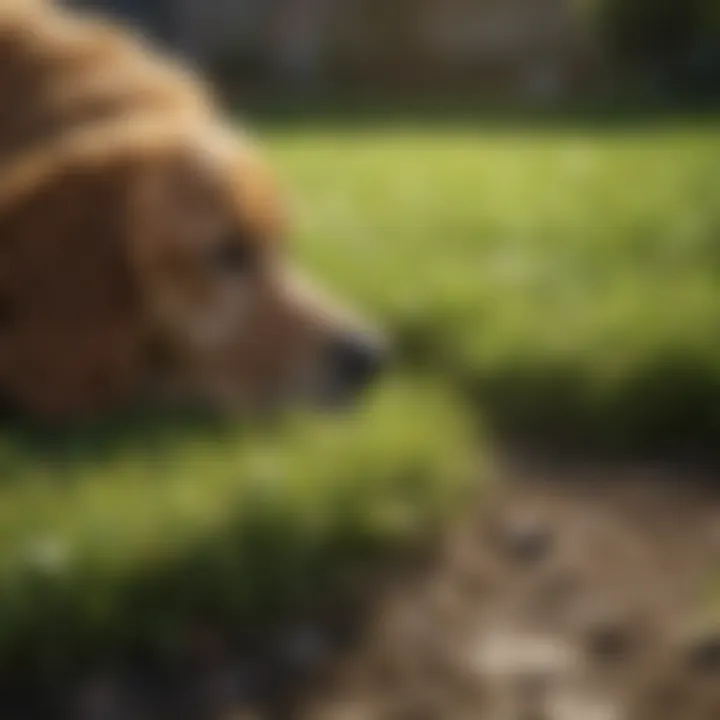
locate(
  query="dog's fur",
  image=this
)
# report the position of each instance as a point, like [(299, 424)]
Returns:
[(140, 239)]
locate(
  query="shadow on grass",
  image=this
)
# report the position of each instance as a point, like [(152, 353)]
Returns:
[(153, 432), (667, 414)]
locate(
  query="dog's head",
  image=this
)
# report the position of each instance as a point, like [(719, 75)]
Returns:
[(164, 269), (142, 242), (230, 320)]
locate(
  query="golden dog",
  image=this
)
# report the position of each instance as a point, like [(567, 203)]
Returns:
[(142, 240)]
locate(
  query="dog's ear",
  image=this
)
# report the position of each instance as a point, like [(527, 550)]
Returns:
[(70, 332)]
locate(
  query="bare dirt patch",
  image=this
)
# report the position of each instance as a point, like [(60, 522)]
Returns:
[(575, 593)]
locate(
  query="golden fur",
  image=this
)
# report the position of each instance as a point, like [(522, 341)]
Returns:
[(128, 213)]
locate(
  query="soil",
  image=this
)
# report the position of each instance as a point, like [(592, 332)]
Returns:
[(575, 592)]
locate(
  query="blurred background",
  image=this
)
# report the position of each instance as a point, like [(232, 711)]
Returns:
[(524, 522), (530, 51)]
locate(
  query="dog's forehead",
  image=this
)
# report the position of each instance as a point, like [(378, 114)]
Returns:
[(232, 167)]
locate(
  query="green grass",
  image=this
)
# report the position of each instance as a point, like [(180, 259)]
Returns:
[(570, 278), (132, 536)]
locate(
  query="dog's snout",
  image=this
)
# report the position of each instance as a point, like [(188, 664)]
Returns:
[(357, 360)]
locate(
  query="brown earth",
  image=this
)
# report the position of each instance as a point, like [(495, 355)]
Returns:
[(574, 593)]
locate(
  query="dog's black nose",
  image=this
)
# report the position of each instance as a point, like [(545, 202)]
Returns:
[(357, 360)]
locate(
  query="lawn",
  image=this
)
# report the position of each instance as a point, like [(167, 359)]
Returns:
[(135, 534), (568, 277), (554, 281)]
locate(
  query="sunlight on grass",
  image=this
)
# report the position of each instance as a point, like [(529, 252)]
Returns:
[(570, 278)]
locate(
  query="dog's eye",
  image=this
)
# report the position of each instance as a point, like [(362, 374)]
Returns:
[(233, 258)]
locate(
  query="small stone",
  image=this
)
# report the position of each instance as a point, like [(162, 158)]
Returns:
[(526, 540), (512, 655), (608, 641)]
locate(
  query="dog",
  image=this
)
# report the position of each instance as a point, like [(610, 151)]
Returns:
[(143, 239)]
